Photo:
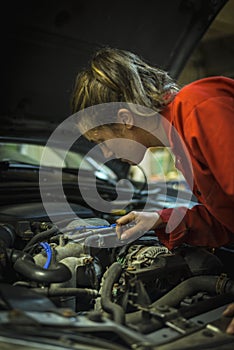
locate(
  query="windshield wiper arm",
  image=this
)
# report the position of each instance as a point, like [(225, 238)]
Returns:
[(6, 164)]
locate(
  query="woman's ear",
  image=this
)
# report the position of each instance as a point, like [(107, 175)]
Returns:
[(125, 116)]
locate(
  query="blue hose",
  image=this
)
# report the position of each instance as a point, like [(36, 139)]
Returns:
[(48, 251)]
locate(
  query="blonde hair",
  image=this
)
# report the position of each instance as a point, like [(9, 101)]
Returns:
[(115, 75)]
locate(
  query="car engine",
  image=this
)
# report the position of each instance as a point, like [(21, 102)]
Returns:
[(77, 278)]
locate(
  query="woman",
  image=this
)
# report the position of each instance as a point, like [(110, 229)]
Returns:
[(149, 110)]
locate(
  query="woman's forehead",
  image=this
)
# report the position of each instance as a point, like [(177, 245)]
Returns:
[(104, 131), (91, 133), (95, 132)]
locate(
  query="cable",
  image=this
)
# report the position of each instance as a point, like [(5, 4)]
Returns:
[(48, 251), (79, 228), (53, 230)]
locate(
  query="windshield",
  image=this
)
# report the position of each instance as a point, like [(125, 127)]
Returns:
[(55, 157)]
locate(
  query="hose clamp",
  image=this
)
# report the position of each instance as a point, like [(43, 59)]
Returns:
[(221, 282)]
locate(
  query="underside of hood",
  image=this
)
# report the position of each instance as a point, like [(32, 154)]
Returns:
[(46, 43)]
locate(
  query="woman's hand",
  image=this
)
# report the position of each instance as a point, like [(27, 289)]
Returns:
[(139, 223), (230, 312)]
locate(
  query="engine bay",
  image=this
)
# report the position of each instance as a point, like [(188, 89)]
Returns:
[(75, 285)]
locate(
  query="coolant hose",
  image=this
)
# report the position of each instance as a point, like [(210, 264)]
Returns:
[(191, 286), (110, 278), (24, 264)]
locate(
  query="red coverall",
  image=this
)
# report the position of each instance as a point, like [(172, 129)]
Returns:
[(203, 115)]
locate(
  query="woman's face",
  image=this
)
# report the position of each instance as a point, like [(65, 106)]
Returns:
[(118, 141)]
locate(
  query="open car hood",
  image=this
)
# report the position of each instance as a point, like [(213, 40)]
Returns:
[(45, 44)]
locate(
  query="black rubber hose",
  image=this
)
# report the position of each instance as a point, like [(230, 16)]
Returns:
[(7, 235), (14, 255), (211, 284), (7, 238), (194, 285), (24, 264), (60, 273), (110, 278), (79, 292), (150, 325), (41, 236)]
